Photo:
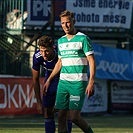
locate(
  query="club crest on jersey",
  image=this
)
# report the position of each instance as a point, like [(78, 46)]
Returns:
[(70, 45)]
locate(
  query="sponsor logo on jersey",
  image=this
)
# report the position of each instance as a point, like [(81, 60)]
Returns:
[(69, 53), (70, 45)]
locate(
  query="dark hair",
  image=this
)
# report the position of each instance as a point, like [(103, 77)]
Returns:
[(45, 41), (67, 13)]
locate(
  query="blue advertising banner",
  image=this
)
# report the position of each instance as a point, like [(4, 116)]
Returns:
[(39, 11), (112, 63)]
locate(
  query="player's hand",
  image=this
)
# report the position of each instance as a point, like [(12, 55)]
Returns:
[(90, 90), (45, 87), (40, 108)]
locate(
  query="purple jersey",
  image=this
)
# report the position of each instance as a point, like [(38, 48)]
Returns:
[(39, 61)]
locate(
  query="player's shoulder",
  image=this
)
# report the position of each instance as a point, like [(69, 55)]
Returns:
[(37, 54), (55, 47), (62, 37), (82, 36)]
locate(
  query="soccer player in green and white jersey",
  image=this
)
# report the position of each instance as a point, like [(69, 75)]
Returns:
[(75, 53)]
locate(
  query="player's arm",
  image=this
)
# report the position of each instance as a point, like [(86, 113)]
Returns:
[(55, 71), (36, 84), (92, 65)]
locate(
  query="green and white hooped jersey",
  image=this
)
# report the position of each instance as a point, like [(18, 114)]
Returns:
[(73, 55)]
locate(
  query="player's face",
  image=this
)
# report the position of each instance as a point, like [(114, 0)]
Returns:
[(67, 24), (47, 53)]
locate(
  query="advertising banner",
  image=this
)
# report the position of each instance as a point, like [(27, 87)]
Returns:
[(99, 101), (91, 13), (17, 96), (39, 11), (122, 95), (101, 13), (112, 63)]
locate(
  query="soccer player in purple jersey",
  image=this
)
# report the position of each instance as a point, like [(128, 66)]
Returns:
[(46, 57)]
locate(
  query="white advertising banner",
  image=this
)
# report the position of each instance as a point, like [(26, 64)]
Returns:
[(121, 92), (98, 102), (101, 13), (89, 13)]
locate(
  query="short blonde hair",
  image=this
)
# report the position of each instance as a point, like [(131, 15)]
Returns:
[(67, 13)]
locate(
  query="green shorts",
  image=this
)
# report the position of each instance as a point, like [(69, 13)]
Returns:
[(70, 97)]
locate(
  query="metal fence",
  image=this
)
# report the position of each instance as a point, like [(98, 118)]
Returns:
[(20, 67), (12, 18), (10, 63)]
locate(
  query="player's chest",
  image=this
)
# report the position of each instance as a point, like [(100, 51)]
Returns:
[(70, 46), (48, 65)]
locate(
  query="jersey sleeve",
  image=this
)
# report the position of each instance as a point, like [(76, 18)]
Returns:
[(59, 54), (36, 64), (87, 46)]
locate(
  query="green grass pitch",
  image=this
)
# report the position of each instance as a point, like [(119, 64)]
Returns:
[(99, 123)]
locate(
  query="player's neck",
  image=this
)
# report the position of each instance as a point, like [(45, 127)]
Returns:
[(71, 35)]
